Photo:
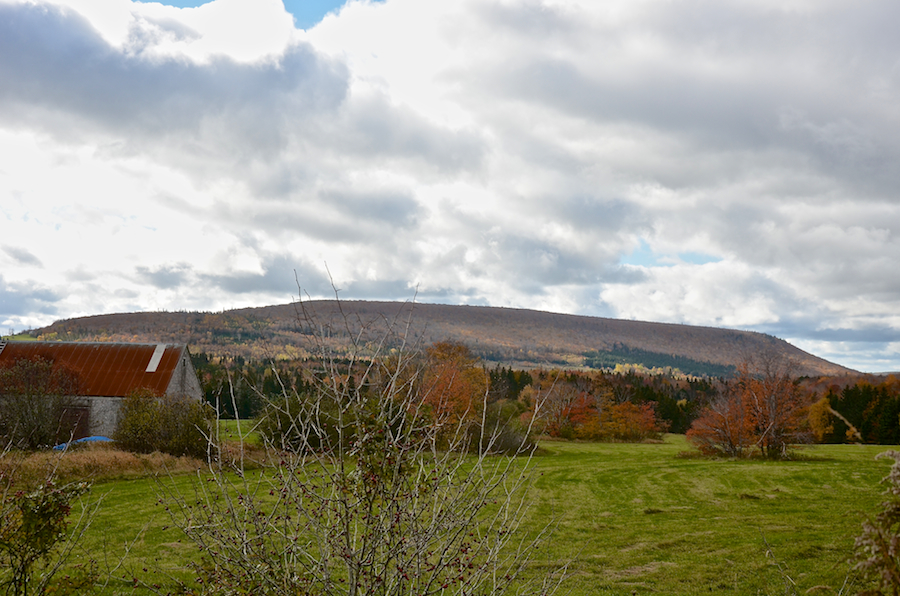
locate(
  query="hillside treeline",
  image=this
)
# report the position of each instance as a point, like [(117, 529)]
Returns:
[(238, 387), (571, 404), (873, 409), (620, 404)]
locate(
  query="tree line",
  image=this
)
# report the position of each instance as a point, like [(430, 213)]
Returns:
[(574, 404), (864, 411), (761, 409)]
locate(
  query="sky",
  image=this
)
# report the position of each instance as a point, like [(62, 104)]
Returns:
[(727, 163)]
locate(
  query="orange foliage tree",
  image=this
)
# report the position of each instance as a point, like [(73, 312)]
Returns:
[(630, 422), (454, 385), (625, 422), (723, 427), (820, 419), (762, 408)]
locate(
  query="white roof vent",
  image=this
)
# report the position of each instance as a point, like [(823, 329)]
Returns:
[(157, 356)]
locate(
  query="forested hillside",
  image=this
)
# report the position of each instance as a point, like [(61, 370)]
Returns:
[(512, 337)]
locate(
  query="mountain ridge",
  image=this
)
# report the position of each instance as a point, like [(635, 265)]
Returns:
[(510, 336)]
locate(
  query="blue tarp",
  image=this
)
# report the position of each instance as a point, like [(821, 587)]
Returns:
[(62, 446)]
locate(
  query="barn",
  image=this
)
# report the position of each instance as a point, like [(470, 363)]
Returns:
[(107, 372)]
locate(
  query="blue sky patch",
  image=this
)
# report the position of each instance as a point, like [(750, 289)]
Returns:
[(697, 258), (643, 256), (307, 13)]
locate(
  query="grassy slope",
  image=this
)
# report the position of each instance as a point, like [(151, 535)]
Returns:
[(630, 518)]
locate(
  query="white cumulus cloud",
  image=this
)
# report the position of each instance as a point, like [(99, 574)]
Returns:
[(702, 161)]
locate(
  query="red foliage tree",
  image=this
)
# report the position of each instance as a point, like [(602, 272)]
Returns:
[(584, 407), (777, 405)]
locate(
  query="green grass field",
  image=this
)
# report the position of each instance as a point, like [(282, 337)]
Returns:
[(233, 430), (629, 519), (18, 337)]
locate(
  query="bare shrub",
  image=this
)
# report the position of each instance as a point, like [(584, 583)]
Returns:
[(34, 395), (372, 492), (277, 425)]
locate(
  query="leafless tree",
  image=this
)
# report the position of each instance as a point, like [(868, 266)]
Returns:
[(34, 396)]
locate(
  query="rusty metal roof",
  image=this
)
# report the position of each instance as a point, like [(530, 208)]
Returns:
[(105, 369)]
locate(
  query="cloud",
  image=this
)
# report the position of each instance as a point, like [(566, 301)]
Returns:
[(253, 121), (75, 86), (870, 335), (514, 153), (279, 275), (18, 301), (379, 289), (22, 256), (164, 277), (376, 127)]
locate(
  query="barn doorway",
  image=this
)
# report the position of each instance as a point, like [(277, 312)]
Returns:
[(75, 423)]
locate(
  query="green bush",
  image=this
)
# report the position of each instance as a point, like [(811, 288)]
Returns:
[(175, 425), (32, 526), (304, 421)]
